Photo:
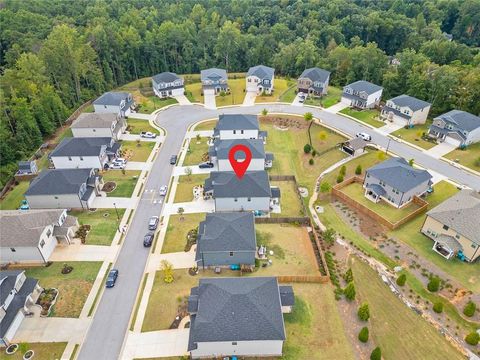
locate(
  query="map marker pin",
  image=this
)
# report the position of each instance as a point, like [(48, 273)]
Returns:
[(240, 167)]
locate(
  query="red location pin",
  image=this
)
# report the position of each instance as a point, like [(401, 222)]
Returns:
[(240, 167)]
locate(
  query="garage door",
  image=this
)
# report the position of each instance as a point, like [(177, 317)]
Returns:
[(14, 326), (209, 91), (452, 141)]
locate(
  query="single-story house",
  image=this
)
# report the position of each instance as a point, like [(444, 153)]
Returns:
[(260, 79), (237, 317), (116, 102), (313, 81), (395, 181), (104, 125), (64, 189), (226, 239), (167, 84), (27, 168), (214, 81), (84, 153), (250, 193), (362, 94), (30, 236), (454, 226), (220, 150), (406, 110), (17, 294), (456, 127), (354, 147), (238, 126)]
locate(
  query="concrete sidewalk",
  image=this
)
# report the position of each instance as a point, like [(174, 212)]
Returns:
[(135, 137), (180, 170), (202, 133), (120, 202), (163, 343)]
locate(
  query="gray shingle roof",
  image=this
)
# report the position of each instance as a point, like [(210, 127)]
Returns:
[(7, 283), (411, 102), (356, 143), (461, 212), (95, 120), (114, 98), (213, 74), (262, 72), (287, 296), (237, 122), (315, 74), (366, 86), (226, 184), (165, 77), (398, 173), (221, 148), (237, 309), (59, 181), (462, 119), (80, 146)]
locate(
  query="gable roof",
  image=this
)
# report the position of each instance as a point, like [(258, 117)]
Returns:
[(58, 181), (8, 278), (262, 72), (225, 184), (213, 74), (365, 86), (95, 120), (114, 98), (236, 309), (221, 148), (81, 146), (398, 173), (461, 212), (315, 74), (462, 119), (165, 77), (237, 122), (411, 102)]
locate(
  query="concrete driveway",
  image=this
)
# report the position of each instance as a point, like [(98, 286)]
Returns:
[(296, 101), (52, 329), (249, 99), (182, 100), (441, 149), (193, 207), (138, 165), (80, 252), (336, 108), (103, 202), (135, 137), (155, 344), (209, 100), (389, 127), (180, 170)]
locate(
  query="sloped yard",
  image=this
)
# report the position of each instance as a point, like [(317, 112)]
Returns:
[(369, 117)]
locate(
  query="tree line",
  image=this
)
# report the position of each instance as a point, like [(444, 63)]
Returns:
[(56, 54)]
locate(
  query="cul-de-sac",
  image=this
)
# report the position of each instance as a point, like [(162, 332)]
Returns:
[(240, 180)]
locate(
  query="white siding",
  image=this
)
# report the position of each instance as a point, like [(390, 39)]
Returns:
[(14, 326), (242, 348), (65, 201), (50, 243), (76, 162), (252, 83), (420, 116), (473, 136), (229, 204), (238, 134), (255, 164), (92, 132), (107, 109), (26, 254), (374, 99)]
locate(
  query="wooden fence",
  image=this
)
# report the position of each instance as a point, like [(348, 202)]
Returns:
[(319, 279), (277, 220), (294, 180)]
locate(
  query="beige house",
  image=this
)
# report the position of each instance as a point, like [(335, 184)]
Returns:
[(454, 226)]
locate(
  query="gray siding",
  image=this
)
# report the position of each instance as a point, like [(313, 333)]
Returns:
[(223, 258), (242, 204), (21, 254)]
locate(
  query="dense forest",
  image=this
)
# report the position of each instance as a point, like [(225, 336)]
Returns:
[(56, 54)]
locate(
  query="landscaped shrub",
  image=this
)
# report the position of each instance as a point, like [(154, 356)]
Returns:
[(349, 275), (325, 187), (343, 170), (438, 307), (314, 152), (376, 354), (339, 178), (401, 280), (349, 291), (469, 309), (311, 162), (358, 169), (307, 148), (434, 284), (363, 335), (473, 338), (329, 236), (363, 312)]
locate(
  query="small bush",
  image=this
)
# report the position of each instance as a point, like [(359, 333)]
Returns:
[(349, 276), (376, 354), (325, 187), (363, 335), (401, 280), (358, 169), (343, 170), (349, 291), (363, 312), (307, 148), (339, 178), (469, 309), (472, 339), (311, 162), (438, 307), (314, 152), (433, 284)]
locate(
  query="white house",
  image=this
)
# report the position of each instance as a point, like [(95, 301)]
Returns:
[(362, 94), (120, 103), (106, 125), (260, 79), (214, 81), (167, 84), (30, 236), (238, 126), (456, 127), (406, 110)]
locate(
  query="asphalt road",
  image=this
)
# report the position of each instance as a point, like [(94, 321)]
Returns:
[(107, 333)]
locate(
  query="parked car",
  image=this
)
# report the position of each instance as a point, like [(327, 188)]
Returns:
[(364, 136), (148, 134), (153, 223), (206, 165), (163, 190), (301, 100), (120, 161), (148, 239), (115, 166), (173, 159), (112, 278)]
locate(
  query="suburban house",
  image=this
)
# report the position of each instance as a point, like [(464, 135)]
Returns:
[(17, 294), (214, 81), (238, 126), (84, 153), (30, 236), (260, 79), (395, 181), (354, 147), (64, 189), (454, 226), (99, 125), (456, 127), (120, 103), (406, 110), (27, 168), (237, 317), (251, 192), (226, 239), (167, 84), (362, 94), (220, 150), (313, 81)]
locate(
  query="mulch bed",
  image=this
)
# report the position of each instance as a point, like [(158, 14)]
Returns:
[(109, 186)]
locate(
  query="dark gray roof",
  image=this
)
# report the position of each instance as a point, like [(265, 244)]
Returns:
[(221, 148), (262, 72), (81, 146), (287, 295), (462, 119), (165, 77), (95, 120), (276, 193), (365, 86), (226, 184), (8, 279), (25, 165), (237, 122), (58, 181), (114, 98), (411, 102), (356, 143), (457, 134), (237, 309), (269, 156), (213, 74), (316, 74), (377, 189), (398, 173)]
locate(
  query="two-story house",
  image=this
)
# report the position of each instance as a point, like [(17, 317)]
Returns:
[(396, 182), (405, 110), (260, 79), (106, 125), (30, 236), (214, 81), (167, 84), (64, 189), (456, 127), (313, 81), (84, 153), (238, 126), (362, 94), (120, 103)]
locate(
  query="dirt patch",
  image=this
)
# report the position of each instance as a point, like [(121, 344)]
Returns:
[(286, 122), (109, 186), (71, 297)]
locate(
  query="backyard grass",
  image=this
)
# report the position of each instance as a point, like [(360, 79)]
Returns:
[(184, 192), (367, 116), (103, 224), (136, 126), (470, 157), (289, 95), (148, 102), (206, 125), (414, 135), (194, 92), (14, 197), (125, 181), (333, 96), (399, 331), (43, 351), (237, 93), (290, 203), (137, 151), (89, 109), (280, 86), (196, 152), (177, 230), (73, 287)]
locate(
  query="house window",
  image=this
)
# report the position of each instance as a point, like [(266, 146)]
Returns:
[(235, 199), (234, 131), (241, 131), (231, 253), (81, 158), (42, 243), (12, 249), (234, 343), (473, 245), (49, 232), (69, 158), (94, 130), (445, 227), (55, 197), (249, 199)]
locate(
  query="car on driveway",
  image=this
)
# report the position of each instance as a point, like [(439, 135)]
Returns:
[(173, 159), (116, 166), (206, 165), (148, 239), (163, 190), (112, 278), (148, 134), (364, 136), (153, 223)]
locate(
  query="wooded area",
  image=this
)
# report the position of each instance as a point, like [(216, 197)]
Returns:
[(56, 54)]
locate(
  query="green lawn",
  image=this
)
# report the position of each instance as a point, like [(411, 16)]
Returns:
[(333, 96), (148, 104), (137, 151), (414, 135), (89, 109), (237, 93), (194, 92), (290, 203), (184, 192), (280, 86), (177, 230), (14, 197), (136, 126), (289, 95), (470, 157), (399, 331), (196, 152), (103, 224), (73, 287), (206, 125), (125, 180), (367, 116), (43, 351)]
